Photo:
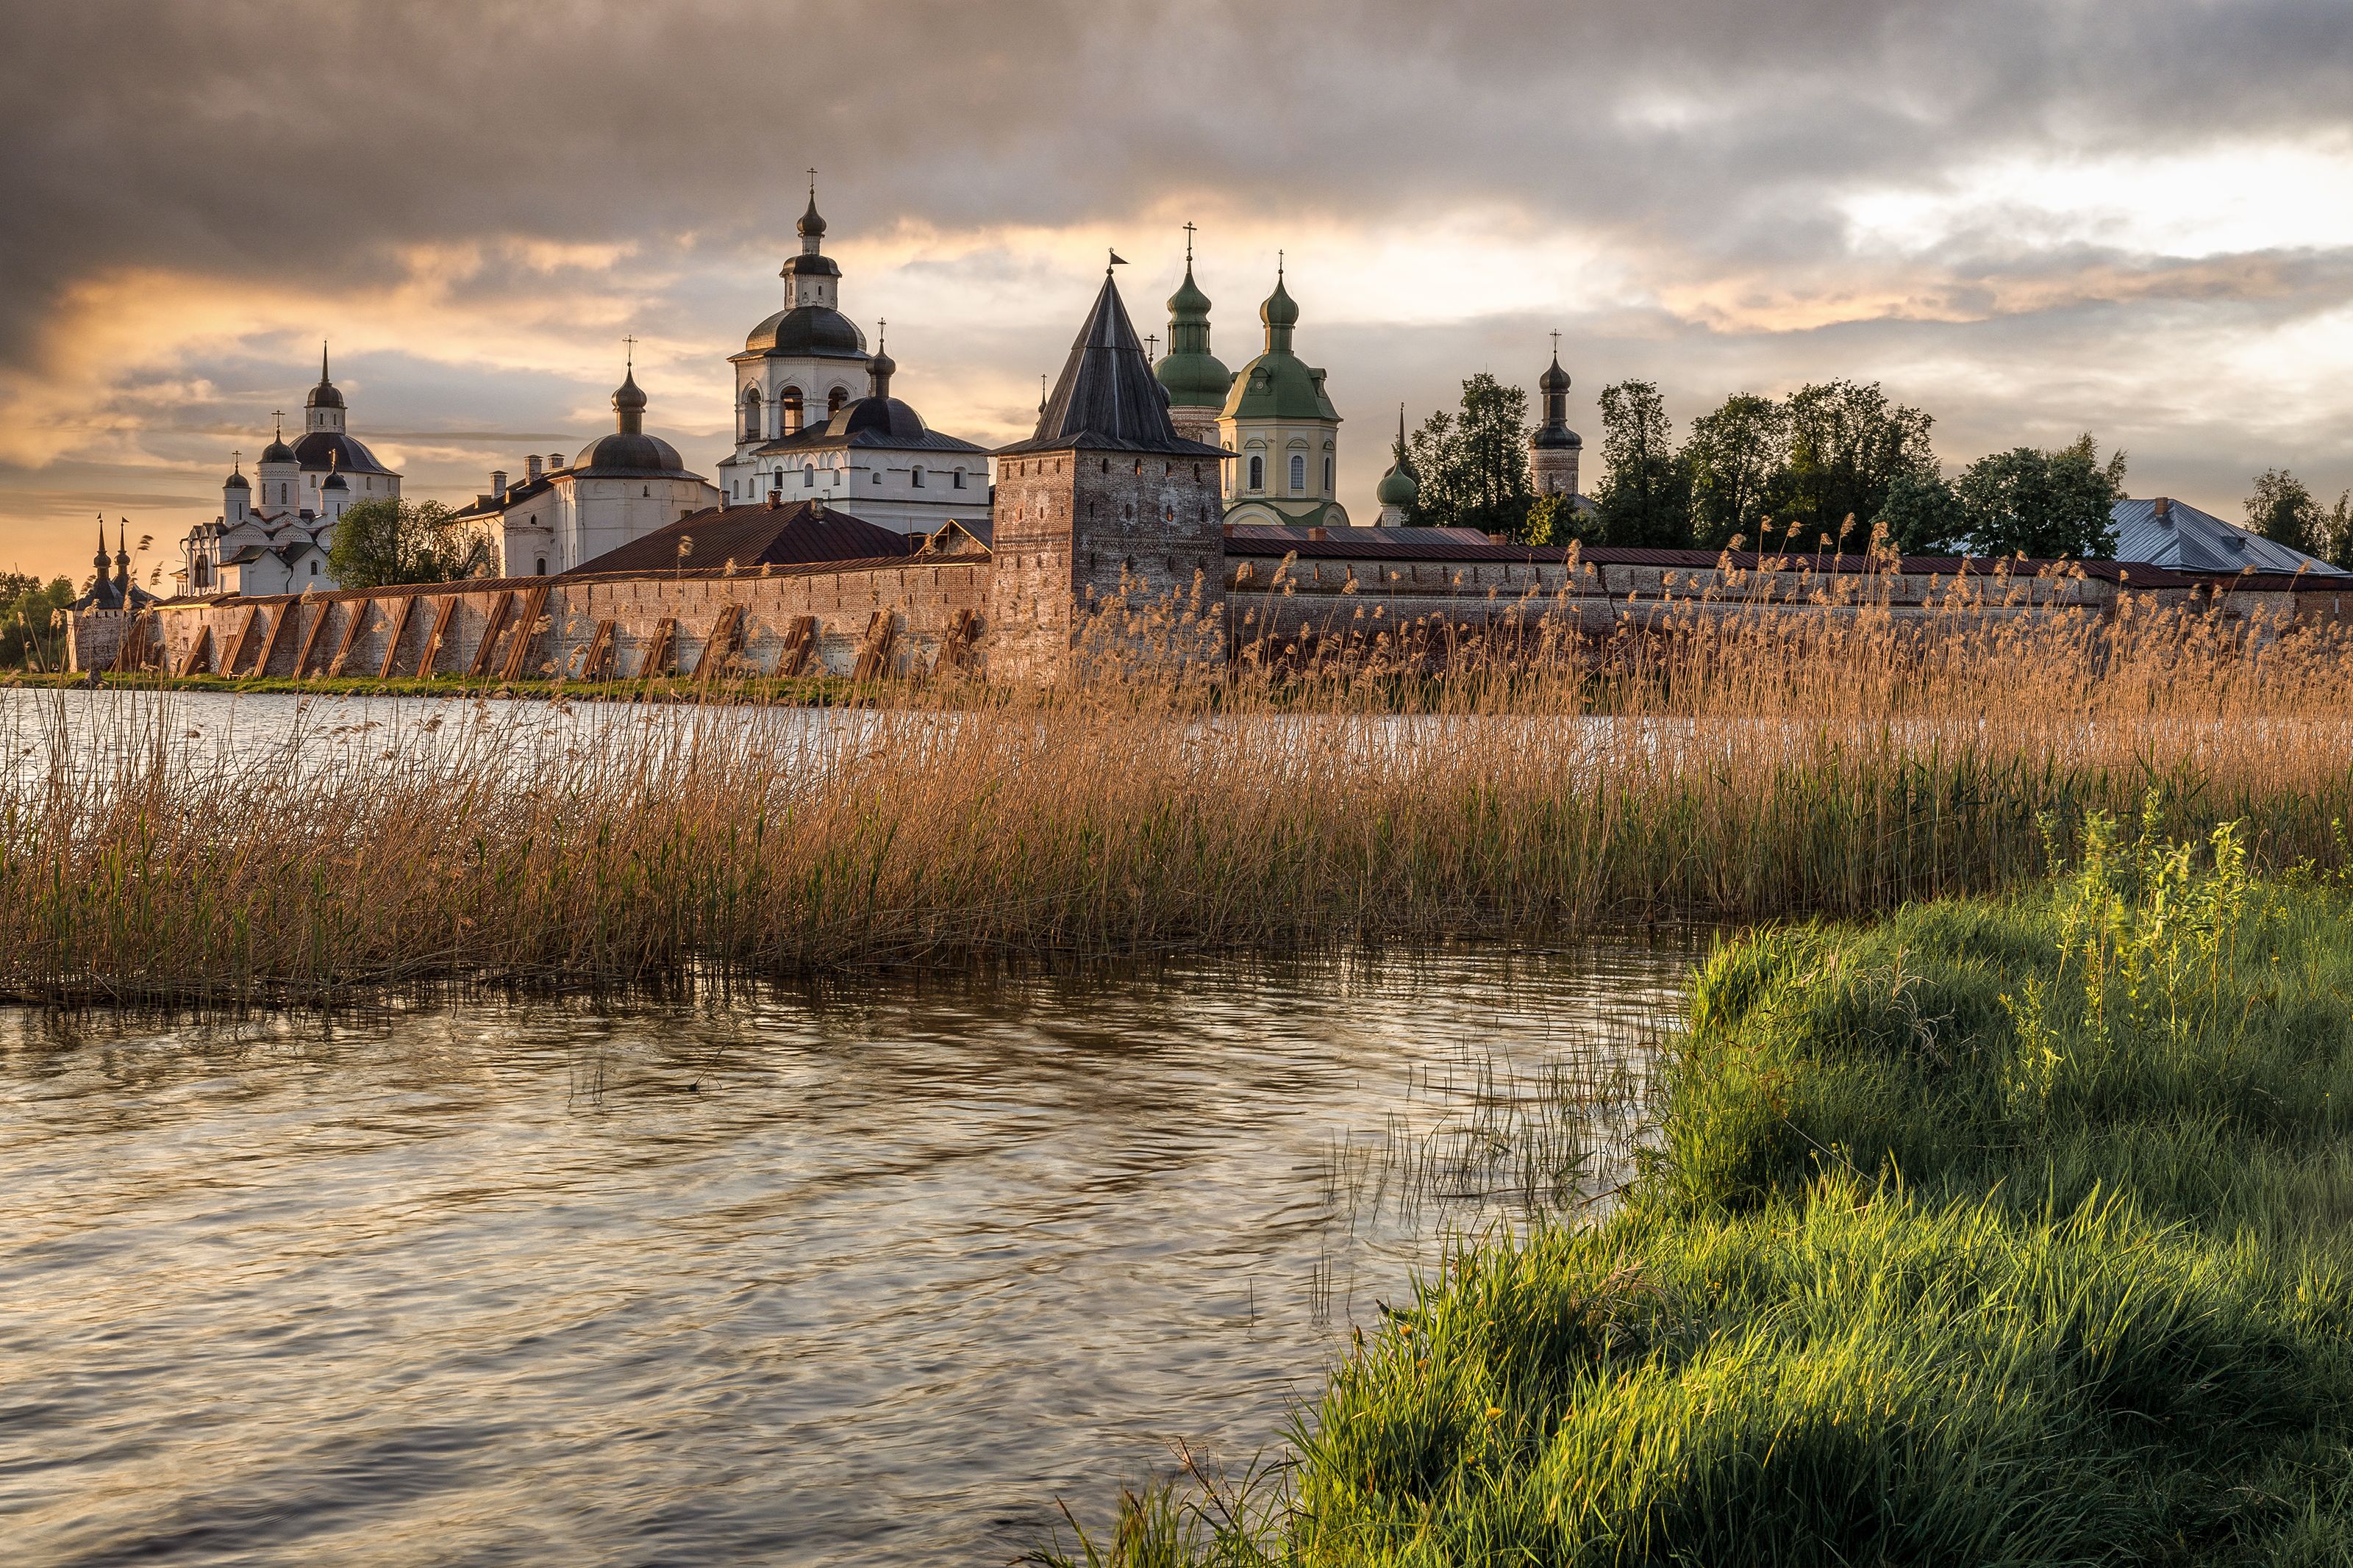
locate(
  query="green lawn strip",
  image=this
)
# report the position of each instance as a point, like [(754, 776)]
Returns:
[(1990, 1233)]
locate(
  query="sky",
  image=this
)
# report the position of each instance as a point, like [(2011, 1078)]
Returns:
[(2029, 217)]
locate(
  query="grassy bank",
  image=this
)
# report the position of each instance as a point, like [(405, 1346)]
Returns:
[(1994, 1233), (804, 690), (1729, 771)]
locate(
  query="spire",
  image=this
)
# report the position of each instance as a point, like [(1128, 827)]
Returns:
[(121, 552), (323, 377), (324, 394), (1107, 396), (101, 547)]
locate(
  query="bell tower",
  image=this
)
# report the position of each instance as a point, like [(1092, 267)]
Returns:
[(1108, 528)]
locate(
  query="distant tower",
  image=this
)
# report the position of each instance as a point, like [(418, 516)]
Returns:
[(1399, 489), (100, 588), (1553, 449), (122, 558), (1195, 381)]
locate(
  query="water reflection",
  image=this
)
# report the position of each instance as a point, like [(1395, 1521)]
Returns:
[(859, 1276)]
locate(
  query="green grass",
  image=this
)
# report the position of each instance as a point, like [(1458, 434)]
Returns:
[(1992, 1233)]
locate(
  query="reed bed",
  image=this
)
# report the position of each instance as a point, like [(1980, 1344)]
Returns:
[(1711, 767)]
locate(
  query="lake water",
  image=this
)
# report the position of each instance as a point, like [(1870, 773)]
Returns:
[(867, 1275)]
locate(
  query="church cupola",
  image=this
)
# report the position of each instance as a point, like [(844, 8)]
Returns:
[(1196, 382), (810, 277), (628, 405), (280, 471), (237, 495), (324, 409), (1554, 448), (1281, 314), (881, 368), (1399, 487)]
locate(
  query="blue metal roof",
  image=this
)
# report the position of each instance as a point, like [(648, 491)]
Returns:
[(2184, 539)]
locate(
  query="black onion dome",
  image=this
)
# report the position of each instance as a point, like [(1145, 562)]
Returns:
[(1555, 378), (876, 416), (334, 482), (629, 395), (811, 226), (807, 332), (236, 481), (324, 396), (277, 451), (629, 456)]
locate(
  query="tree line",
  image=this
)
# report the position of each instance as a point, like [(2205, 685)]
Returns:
[(1828, 466)]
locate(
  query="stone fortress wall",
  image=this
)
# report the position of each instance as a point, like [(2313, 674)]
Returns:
[(877, 620), (1017, 614)]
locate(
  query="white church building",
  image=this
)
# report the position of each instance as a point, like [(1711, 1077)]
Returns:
[(274, 530), (618, 487)]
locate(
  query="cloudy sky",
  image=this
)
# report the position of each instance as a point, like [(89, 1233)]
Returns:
[(2031, 217)]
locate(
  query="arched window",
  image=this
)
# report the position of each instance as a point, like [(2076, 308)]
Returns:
[(919, 476), (1258, 472), (539, 568), (955, 480), (788, 410), (1327, 475), (835, 399), (808, 475), (1298, 472), (752, 422), (314, 568)]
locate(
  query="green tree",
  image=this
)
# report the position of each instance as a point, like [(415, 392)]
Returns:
[(1732, 454), (1644, 497), (2284, 511), (1848, 445), (28, 608), (1923, 516), (1554, 519), (2336, 533), (2049, 505), (1474, 464), (392, 539)]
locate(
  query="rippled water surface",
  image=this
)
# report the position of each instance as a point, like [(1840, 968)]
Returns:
[(871, 1276)]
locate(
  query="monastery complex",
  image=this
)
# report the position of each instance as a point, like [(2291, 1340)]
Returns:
[(842, 533)]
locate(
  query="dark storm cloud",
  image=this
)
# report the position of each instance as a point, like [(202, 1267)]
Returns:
[(261, 140)]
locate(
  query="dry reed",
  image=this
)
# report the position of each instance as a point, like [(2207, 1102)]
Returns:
[(1733, 765)]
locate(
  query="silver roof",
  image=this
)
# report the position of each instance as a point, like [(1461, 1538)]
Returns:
[(2188, 539)]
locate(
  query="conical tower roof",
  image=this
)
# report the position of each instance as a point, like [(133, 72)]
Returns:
[(1107, 398)]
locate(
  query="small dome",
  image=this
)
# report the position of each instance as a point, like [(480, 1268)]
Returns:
[(811, 226), (627, 396), (236, 481), (878, 416), (1194, 381), (334, 482), (277, 451), (1189, 300), (882, 365), (1280, 309), (324, 394), (1553, 380), (1398, 487)]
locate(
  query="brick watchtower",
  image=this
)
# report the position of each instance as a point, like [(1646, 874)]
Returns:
[(1106, 509)]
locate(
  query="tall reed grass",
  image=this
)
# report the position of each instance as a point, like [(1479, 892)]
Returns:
[(1713, 767)]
